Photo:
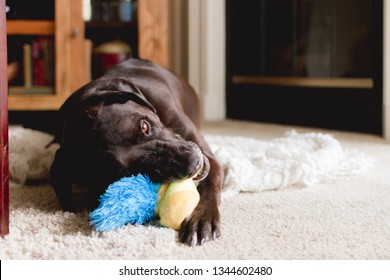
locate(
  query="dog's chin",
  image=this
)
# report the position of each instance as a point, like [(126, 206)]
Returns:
[(203, 171)]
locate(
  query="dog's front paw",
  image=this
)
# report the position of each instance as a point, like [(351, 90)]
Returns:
[(201, 226)]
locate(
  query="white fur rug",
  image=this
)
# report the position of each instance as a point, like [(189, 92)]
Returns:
[(342, 213), (296, 159), (30, 155)]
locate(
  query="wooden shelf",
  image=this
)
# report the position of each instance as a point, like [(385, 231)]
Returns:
[(34, 102), (40, 90), (110, 24), (305, 81), (30, 27)]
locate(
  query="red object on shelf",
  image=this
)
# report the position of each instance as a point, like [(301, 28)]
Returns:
[(4, 173), (108, 55)]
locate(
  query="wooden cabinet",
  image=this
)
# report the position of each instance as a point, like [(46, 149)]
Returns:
[(70, 70), (153, 23), (72, 56)]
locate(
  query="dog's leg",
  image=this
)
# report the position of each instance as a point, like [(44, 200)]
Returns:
[(204, 223), (61, 183)]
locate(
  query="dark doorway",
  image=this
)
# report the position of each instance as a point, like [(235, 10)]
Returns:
[(305, 62)]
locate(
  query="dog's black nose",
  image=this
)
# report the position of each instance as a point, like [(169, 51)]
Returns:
[(203, 170)]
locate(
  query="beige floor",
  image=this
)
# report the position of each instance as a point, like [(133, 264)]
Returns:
[(347, 218)]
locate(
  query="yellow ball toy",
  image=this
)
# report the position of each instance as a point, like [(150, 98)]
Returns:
[(176, 202)]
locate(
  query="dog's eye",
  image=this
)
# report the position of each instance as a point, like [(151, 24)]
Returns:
[(145, 127)]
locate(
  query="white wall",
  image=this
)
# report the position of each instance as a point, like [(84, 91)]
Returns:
[(206, 49)]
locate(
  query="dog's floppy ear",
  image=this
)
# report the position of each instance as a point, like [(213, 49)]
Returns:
[(137, 96), (117, 90)]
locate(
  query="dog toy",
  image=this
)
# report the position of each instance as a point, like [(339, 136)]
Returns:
[(176, 202), (138, 200)]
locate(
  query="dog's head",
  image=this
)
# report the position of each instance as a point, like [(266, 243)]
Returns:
[(110, 130)]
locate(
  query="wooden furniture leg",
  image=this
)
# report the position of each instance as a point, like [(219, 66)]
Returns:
[(4, 172)]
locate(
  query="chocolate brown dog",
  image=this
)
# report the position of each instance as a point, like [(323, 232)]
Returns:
[(137, 118)]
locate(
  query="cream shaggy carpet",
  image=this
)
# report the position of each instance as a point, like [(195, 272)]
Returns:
[(312, 207)]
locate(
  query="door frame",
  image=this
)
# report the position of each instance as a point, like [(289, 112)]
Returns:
[(386, 70)]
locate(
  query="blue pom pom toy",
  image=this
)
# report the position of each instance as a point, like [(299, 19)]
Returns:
[(129, 200)]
